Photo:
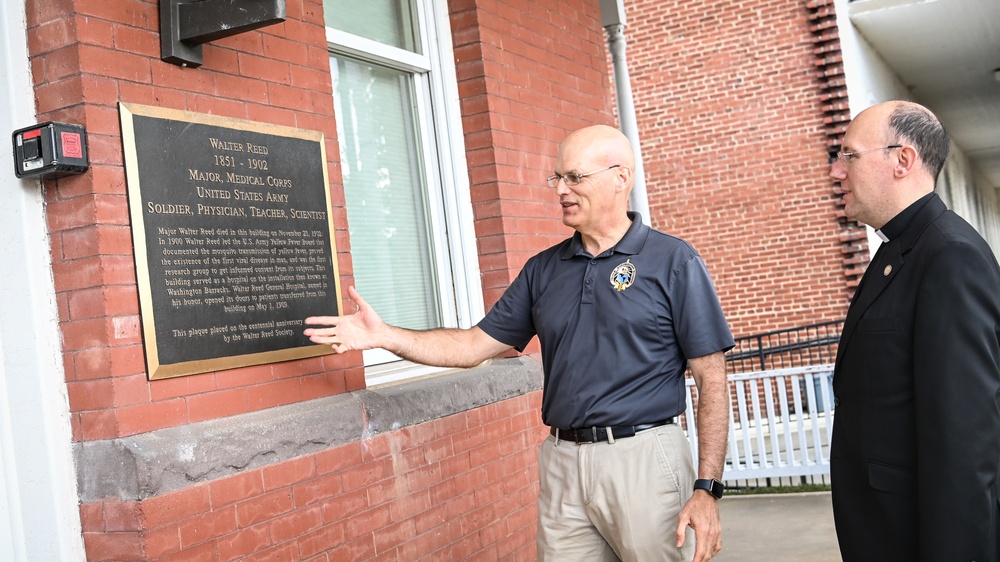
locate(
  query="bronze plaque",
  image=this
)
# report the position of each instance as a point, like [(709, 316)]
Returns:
[(233, 236)]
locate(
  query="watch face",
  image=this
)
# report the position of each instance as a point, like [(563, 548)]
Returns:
[(711, 486)]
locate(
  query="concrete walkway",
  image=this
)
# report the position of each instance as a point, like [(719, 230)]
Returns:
[(778, 528)]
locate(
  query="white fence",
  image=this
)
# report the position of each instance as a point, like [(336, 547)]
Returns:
[(781, 422)]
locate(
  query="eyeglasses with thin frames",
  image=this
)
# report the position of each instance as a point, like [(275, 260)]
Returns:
[(848, 157), (573, 179)]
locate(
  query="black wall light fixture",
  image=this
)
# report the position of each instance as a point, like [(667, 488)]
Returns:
[(186, 24)]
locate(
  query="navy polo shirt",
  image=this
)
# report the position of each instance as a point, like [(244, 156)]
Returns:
[(616, 329)]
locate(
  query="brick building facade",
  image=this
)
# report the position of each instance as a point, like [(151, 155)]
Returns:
[(739, 105), (731, 112), (297, 460)]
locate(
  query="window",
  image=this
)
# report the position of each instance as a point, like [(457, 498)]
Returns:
[(403, 162)]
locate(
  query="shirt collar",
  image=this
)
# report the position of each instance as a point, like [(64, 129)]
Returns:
[(630, 244), (897, 225)]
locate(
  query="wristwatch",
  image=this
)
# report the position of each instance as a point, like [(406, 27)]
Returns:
[(712, 486)]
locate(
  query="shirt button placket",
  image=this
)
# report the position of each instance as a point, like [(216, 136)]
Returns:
[(588, 283)]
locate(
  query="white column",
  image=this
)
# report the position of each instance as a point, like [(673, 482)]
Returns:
[(613, 20)]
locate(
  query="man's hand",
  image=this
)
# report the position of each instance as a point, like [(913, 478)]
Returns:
[(442, 347), (358, 331), (701, 513)]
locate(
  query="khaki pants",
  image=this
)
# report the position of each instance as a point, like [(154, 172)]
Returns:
[(615, 501)]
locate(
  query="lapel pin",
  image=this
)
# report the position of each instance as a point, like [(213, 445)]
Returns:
[(887, 271)]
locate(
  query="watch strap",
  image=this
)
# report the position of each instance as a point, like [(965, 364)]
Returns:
[(710, 485)]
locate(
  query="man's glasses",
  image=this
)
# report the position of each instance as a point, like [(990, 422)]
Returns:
[(848, 157), (573, 179)]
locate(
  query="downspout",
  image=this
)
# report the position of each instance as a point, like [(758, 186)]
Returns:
[(613, 20)]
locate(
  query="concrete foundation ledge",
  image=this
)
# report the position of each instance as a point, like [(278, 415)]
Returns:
[(140, 466)]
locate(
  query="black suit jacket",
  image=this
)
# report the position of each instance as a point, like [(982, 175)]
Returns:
[(916, 440)]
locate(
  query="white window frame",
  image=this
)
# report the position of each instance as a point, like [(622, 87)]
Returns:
[(451, 220)]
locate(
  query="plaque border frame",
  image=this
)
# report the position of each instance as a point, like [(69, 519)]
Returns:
[(154, 369)]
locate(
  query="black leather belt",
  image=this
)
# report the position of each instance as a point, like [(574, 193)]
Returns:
[(595, 434)]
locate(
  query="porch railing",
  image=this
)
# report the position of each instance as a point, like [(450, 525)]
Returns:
[(781, 403), (781, 422), (814, 344)]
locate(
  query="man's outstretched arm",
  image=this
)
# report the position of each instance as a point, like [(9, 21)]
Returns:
[(443, 347)]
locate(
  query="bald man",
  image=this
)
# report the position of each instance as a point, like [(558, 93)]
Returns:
[(620, 311), (916, 438)]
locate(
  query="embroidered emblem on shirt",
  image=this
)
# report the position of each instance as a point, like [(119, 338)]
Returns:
[(622, 276)]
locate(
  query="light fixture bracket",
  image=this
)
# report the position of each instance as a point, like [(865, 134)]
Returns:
[(186, 24)]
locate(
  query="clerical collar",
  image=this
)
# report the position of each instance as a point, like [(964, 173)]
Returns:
[(895, 227)]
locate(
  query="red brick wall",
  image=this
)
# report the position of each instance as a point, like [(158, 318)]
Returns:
[(529, 73), (88, 55), (458, 488), (735, 153)]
